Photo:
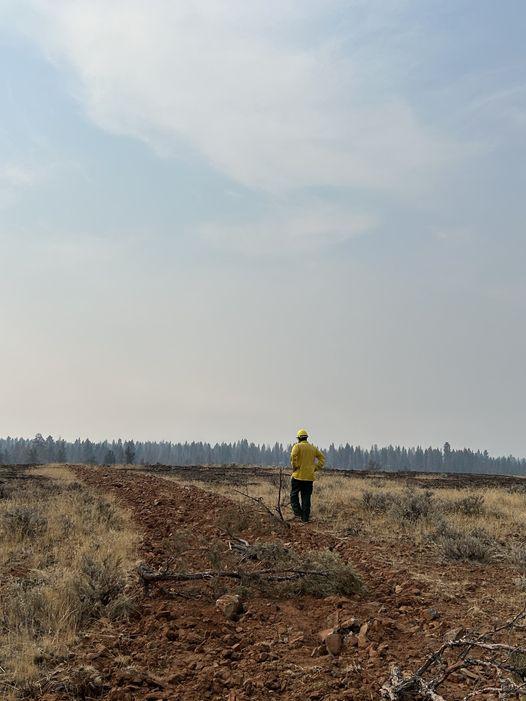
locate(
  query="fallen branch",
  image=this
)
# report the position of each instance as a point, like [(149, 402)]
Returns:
[(396, 687), (241, 546), (499, 660), (272, 575), (277, 514)]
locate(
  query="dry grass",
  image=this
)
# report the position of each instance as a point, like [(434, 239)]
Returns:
[(479, 524), (54, 472), (64, 559)]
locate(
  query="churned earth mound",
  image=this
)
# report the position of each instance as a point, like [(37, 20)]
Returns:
[(177, 643)]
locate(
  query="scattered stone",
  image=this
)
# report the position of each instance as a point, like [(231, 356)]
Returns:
[(296, 640), (334, 643), (350, 625), (454, 633), (362, 635), (230, 606), (431, 614), (332, 640), (319, 651)]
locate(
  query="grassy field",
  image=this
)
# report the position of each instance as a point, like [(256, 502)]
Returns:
[(474, 523), (65, 556)]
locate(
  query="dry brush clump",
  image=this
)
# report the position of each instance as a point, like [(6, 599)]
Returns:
[(480, 527), (339, 576), (64, 558), (495, 668), (421, 506), (269, 568), (474, 545)]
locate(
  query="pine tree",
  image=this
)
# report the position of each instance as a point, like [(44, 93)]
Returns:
[(109, 457), (129, 452), (61, 450)]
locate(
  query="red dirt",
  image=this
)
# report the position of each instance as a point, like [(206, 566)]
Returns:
[(184, 649)]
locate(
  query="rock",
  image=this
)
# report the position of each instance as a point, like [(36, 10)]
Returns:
[(324, 633), (431, 614), (332, 639), (319, 651), (263, 646), (350, 625), (362, 635), (296, 640), (454, 633), (334, 643), (230, 606)]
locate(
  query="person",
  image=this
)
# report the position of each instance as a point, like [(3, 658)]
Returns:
[(305, 460)]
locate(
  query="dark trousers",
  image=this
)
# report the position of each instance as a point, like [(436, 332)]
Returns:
[(303, 488)]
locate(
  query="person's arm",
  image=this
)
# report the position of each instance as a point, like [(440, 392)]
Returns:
[(294, 456), (321, 460)]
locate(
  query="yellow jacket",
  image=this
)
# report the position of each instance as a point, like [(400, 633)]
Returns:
[(306, 460)]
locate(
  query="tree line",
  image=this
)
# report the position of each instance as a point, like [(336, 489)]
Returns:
[(345, 457)]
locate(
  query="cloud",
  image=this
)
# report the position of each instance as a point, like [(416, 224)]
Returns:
[(455, 235), (289, 230), (15, 177), (266, 99)]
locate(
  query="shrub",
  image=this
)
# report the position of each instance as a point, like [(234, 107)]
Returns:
[(270, 553), (410, 506), (377, 501), (25, 521), (342, 578), (336, 576), (24, 606), (475, 545), (99, 583), (122, 607), (413, 505), (108, 514), (104, 511), (518, 556), (470, 506)]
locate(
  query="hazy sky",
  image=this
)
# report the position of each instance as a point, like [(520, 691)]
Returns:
[(225, 219)]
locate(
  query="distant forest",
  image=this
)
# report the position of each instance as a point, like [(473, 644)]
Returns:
[(343, 457)]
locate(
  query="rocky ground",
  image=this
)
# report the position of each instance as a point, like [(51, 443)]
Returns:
[(180, 645)]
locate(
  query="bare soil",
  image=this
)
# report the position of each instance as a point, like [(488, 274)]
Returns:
[(239, 474), (178, 646)]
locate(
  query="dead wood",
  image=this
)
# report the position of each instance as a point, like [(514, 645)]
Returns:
[(277, 513), (494, 657), (271, 575)]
